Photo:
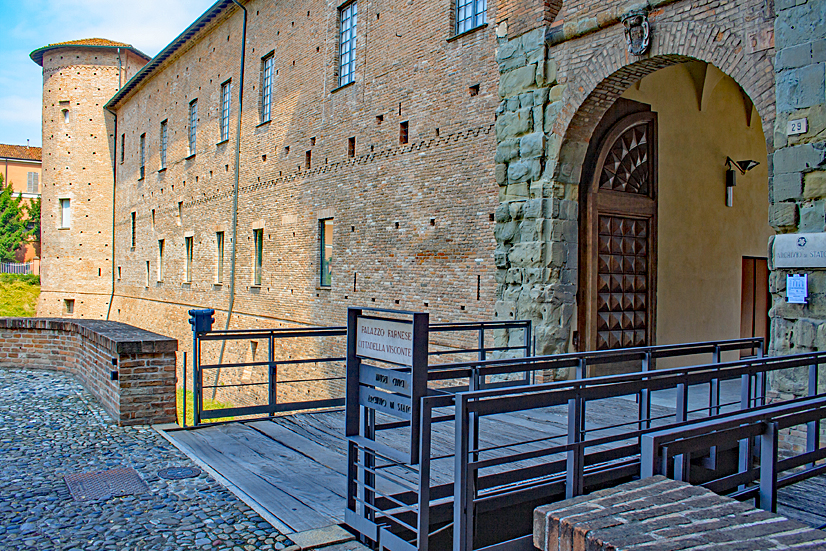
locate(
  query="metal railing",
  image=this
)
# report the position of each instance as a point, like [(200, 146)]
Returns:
[(664, 451), (332, 365), (554, 464), (16, 268)]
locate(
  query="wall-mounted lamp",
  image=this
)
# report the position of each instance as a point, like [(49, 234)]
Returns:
[(731, 176)]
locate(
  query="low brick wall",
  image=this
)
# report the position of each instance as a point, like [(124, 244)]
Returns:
[(144, 392), (661, 514)]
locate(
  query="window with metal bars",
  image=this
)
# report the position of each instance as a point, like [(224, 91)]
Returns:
[(470, 14), (266, 87), (258, 237), (226, 94), (348, 16), (164, 141), (189, 242), (193, 126)]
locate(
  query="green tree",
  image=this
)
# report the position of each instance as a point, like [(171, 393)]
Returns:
[(33, 218), (13, 231)]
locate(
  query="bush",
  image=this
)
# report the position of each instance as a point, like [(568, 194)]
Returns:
[(29, 279)]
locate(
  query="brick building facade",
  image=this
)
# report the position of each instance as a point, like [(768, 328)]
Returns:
[(441, 158)]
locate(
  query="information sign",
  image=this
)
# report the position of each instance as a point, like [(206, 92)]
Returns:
[(383, 339), (797, 288)]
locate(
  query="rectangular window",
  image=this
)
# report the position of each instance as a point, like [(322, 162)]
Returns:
[(143, 156), (188, 267), (351, 147), (153, 219), (404, 132), (308, 160), (325, 228), (122, 147), (226, 95), (193, 126), (160, 260), (65, 213), (33, 182), (470, 14), (258, 236), (69, 306), (219, 242), (164, 141), (134, 215), (146, 274), (347, 43), (266, 87)]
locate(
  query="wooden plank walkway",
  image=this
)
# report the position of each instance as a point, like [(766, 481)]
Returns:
[(294, 466)]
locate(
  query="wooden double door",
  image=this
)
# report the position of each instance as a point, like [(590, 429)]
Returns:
[(617, 293)]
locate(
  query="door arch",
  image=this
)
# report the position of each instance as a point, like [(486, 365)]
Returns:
[(619, 260)]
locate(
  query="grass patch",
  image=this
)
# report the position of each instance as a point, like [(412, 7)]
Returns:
[(18, 295), (208, 404)]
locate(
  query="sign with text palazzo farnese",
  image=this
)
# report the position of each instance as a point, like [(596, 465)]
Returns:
[(387, 340)]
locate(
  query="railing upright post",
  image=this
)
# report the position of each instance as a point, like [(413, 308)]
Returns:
[(645, 397), (463, 487), (768, 469), (714, 386), (745, 460), (812, 427), (272, 375), (682, 462), (423, 527), (183, 416), (575, 464)]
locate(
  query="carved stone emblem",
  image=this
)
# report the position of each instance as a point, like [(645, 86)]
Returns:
[(637, 32)]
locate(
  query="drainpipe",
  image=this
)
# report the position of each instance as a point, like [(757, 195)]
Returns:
[(235, 190), (114, 191)]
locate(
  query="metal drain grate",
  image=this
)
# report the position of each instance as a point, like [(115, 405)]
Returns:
[(177, 473), (105, 484)]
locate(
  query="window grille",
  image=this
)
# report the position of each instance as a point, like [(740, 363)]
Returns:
[(226, 93), (266, 88), (143, 156), (193, 126), (164, 140)]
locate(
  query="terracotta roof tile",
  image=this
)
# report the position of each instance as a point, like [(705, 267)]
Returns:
[(92, 42), (20, 152)]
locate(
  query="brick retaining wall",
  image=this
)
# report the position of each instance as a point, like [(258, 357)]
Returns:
[(144, 392), (658, 513)]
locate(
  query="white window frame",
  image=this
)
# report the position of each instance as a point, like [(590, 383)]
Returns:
[(348, 20), (33, 182), (65, 212)]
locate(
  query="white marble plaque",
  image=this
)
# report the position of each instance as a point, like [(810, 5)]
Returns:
[(800, 250), (387, 340)]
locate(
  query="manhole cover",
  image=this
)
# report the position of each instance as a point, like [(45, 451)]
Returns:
[(105, 484), (177, 473)]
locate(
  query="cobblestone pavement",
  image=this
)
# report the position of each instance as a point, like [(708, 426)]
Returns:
[(50, 427)]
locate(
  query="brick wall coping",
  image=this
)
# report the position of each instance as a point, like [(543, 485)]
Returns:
[(122, 338), (657, 513)]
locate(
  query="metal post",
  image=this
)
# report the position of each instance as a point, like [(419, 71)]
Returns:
[(423, 527), (645, 397), (682, 462), (575, 466), (745, 460), (463, 488), (714, 386), (370, 464), (201, 322), (812, 427), (183, 419), (768, 469), (273, 376)]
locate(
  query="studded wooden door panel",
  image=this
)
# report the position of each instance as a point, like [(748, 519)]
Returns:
[(619, 278), (622, 282)]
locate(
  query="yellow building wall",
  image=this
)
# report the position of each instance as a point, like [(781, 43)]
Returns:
[(17, 172), (701, 241)]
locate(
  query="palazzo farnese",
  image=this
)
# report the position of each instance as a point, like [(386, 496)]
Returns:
[(563, 161)]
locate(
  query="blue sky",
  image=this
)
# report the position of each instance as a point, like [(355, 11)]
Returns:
[(26, 25)]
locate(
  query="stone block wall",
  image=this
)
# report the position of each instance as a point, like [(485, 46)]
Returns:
[(798, 190), (658, 513), (144, 392)]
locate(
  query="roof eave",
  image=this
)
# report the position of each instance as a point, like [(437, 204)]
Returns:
[(37, 55)]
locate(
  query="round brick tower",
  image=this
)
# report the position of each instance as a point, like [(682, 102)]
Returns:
[(79, 159)]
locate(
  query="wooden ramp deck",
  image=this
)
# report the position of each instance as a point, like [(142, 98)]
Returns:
[(293, 468)]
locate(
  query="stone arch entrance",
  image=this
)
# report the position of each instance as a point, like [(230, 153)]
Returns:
[(665, 264)]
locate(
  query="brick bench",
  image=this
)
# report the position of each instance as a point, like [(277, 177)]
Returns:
[(659, 514), (144, 390)]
